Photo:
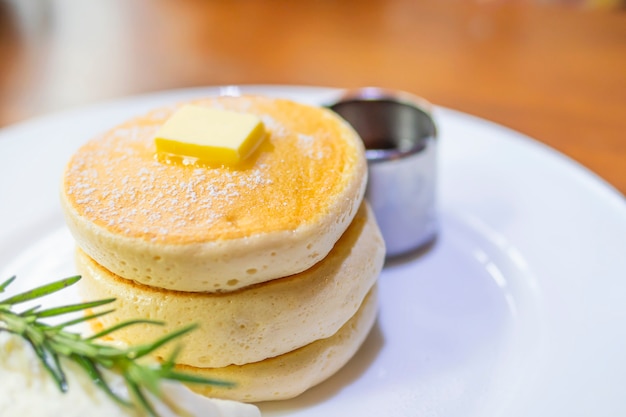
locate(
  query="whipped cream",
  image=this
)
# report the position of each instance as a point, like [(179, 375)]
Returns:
[(26, 389)]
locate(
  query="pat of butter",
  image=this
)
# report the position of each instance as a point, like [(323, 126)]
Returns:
[(210, 135)]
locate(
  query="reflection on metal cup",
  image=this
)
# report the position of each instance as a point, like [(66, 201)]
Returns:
[(400, 138)]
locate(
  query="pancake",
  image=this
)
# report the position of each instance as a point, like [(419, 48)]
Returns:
[(254, 323), (204, 228), (291, 374)]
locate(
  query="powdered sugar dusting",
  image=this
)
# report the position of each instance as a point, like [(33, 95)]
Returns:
[(129, 187), (306, 144), (117, 182)]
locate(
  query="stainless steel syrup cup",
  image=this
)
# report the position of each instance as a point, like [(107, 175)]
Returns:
[(400, 138)]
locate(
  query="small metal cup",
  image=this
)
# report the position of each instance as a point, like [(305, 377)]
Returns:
[(400, 138)]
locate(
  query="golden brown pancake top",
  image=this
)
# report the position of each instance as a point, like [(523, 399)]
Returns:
[(118, 182)]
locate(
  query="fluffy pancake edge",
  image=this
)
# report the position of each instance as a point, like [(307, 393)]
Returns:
[(256, 322), (289, 375)]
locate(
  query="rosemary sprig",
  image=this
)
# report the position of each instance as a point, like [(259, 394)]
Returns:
[(53, 342)]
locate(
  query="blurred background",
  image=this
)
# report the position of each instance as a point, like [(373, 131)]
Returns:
[(555, 70)]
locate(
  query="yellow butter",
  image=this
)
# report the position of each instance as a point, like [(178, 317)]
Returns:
[(210, 135)]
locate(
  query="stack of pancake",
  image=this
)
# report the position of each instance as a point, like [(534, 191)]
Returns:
[(276, 259)]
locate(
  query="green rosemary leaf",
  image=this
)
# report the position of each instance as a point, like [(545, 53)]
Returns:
[(96, 376), (143, 350), (53, 343), (50, 364), (71, 344), (192, 379), (146, 376), (54, 356), (123, 324), (81, 319), (57, 311), (138, 394), (14, 323), (170, 363), (30, 311), (41, 291), (6, 283)]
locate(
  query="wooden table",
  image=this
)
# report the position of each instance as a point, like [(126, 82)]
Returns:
[(555, 73)]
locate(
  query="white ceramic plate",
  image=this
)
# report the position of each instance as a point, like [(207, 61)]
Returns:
[(517, 310)]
